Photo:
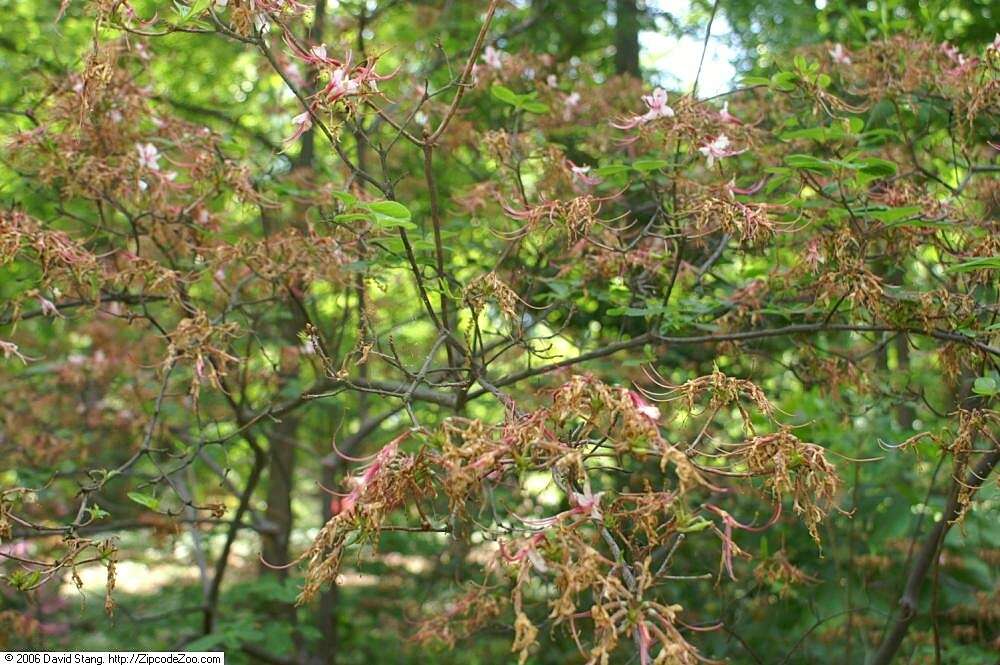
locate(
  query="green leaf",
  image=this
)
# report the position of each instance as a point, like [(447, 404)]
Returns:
[(820, 134), (650, 164), (784, 81), (893, 215), (532, 106), (146, 500), (97, 513), (984, 263), (987, 386), (879, 168), (392, 209), (505, 95), (611, 170), (809, 163)]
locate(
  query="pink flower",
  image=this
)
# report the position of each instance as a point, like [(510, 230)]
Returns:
[(363, 481), (656, 104), (10, 349), (528, 551), (643, 407), (569, 105), (149, 156), (302, 122), (813, 256), (493, 58), (587, 503), (580, 174), (717, 149), (962, 64), (840, 54), (340, 85), (319, 51), (48, 307), (728, 117), (552, 80)]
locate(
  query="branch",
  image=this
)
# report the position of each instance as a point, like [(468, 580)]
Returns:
[(928, 554)]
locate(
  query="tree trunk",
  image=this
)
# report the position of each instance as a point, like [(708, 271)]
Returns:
[(627, 37)]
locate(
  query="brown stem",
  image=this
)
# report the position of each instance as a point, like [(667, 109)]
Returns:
[(910, 598)]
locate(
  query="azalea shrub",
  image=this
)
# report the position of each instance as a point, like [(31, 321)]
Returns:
[(548, 357)]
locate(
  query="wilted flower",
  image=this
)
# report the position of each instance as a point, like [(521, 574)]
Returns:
[(717, 149), (658, 108), (840, 54), (149, 156)]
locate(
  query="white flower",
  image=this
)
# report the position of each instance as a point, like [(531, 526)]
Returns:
[(149, 156), (493, 58), (49, 307), (717, 149), (341, 84), (657, 103), (319, 51), (840, 55)]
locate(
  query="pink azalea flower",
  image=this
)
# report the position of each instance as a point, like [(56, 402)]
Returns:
[(341, 84), (569, 105), (552, 80), (319, 51), (10, 349), (643, 407), (962, 63), (656, 104), (48, 307), (528, 551), (813, 256), (149, 156), (493, 58), (840, 54), (728, 117), (587, 503), (580, 174), (717, 149), (302, 122)]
